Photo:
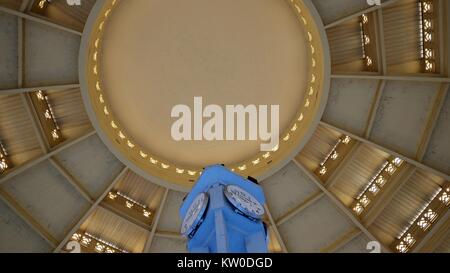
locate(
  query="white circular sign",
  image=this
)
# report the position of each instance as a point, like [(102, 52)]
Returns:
[(244, 201), (194, 215)]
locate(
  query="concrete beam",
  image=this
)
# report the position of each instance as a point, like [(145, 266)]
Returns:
[(151, 236), (346, 211), (65, 145), (21, 90), (359, 13), (89, 211), (38, 20), (393, 153)]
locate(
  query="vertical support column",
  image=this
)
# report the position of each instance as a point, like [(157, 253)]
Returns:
[(221, 232), (217, 200)]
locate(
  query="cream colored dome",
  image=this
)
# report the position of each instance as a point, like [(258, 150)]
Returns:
[(374, 168)]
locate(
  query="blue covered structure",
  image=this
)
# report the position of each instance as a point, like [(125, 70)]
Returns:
[(223, 214)]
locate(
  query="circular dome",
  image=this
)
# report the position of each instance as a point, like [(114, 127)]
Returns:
[(141, 58)]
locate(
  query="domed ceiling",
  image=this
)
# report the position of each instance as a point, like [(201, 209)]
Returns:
[(365, 167), (139, 60)]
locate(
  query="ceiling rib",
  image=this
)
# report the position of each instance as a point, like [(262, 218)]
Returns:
[(374, 108), (148, 243), (342, 240), (20, 75), (359, 13), (38, 20), (371, 76), (20, 43), (275, 228), (441, 28), (24, 5), (28, 218), (381, 48), (299, 208), (20, 51), (16, 171), (339, 205), (72, 180), (31, 89), (433, 116), (90, 210), (169, 235), (379, 147)]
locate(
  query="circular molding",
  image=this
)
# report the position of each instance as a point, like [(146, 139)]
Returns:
[(165, 173)]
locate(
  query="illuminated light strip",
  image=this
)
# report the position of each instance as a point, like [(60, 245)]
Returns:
[(374, 178), (333, 154), (131, 200), (411, 223), (426, 32), (424, 221), (361, 30), (344, 140), (87, 240), (365, 40), (49, 114), (376, 183), (130, 203), (43, 3), (329, 154), (4, 162)]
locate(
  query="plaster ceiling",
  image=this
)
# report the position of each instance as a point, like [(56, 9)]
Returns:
[(157, 54)]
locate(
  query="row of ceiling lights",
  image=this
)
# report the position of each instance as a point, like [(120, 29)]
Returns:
[(4, 162), (365, 41), (130, 203), (426, 26), (49, 115), (99, 245), (333, 154), (387, 169), (426, 34), (426, 217), (424, 220)]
